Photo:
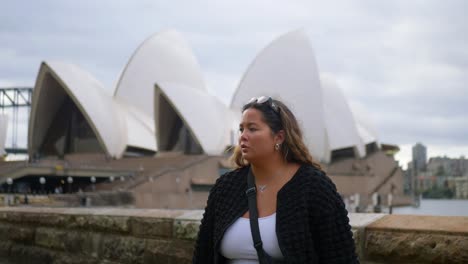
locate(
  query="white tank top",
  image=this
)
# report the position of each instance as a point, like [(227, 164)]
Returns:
[(237, 244)]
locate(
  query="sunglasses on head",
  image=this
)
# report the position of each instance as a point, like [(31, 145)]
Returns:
[(264, 99)]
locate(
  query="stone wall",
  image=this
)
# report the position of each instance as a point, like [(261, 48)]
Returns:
[(102, 198), (99, 235), (384, 238), (79, 235)]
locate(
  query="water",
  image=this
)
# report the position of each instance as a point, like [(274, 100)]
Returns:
[(436, 207)]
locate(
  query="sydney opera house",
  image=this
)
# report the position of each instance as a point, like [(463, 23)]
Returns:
[(162, 137)]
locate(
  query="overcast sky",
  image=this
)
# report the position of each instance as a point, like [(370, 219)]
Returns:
[(403, 62)]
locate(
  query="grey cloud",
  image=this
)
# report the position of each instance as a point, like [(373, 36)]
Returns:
[(432, 130), (406, 61)]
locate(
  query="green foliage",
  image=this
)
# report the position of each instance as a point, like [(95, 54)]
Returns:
[(438, 193)]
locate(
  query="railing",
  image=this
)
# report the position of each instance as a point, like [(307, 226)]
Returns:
[(390, 175)]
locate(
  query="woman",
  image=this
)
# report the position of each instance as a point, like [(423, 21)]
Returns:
[(301, 216)]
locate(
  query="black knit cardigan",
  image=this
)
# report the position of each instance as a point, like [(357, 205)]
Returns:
[(312, 225)]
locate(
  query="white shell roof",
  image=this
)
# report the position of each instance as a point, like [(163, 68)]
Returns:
[(366, 136), (287, 70), (139, 128), (90, 97), (366, 131), (341, 127), (205, 115), (163, 58), (164, 65), (365, 126)]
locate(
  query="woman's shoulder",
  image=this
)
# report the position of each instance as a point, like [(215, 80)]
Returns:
[(232, 177), (310, 173), (313, 177), (319, 188)]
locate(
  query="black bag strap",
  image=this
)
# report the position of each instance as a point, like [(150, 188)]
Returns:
[(251, 193)]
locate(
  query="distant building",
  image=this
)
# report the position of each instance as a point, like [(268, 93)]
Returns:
[(441, 172), (419, 157), (461, 188), (444, 166), (416, 168), (409, 181)]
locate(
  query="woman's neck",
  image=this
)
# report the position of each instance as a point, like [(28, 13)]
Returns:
[(266, 172)]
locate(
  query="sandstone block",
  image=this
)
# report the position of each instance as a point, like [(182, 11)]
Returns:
[(13, 217), (122, 249), (157, 259), (105, 261), (51, 238), (31, 254), (186, 229), (168, 251), (46, 219), (410, 247), (74, 259), (3, 216), (100, 222), (5, 247), (186, 226), (82, 242), (4, 231), (22, 234), (18, 233), (418, 239), (151, 227)]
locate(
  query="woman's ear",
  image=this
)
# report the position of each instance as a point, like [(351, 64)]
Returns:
[(279, 137)]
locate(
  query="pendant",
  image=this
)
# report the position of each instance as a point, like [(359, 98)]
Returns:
[(262, 188)]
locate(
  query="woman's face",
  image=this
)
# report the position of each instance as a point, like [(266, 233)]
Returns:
[(256, 139)]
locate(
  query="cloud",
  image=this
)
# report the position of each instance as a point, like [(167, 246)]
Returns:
[(405, 62)]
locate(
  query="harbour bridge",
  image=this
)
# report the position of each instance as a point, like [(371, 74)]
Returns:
[(15, 102)]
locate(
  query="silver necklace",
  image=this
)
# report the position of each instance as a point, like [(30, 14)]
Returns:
[(262, 188)]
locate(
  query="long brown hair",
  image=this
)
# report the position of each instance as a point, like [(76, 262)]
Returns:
[(278, 117)]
